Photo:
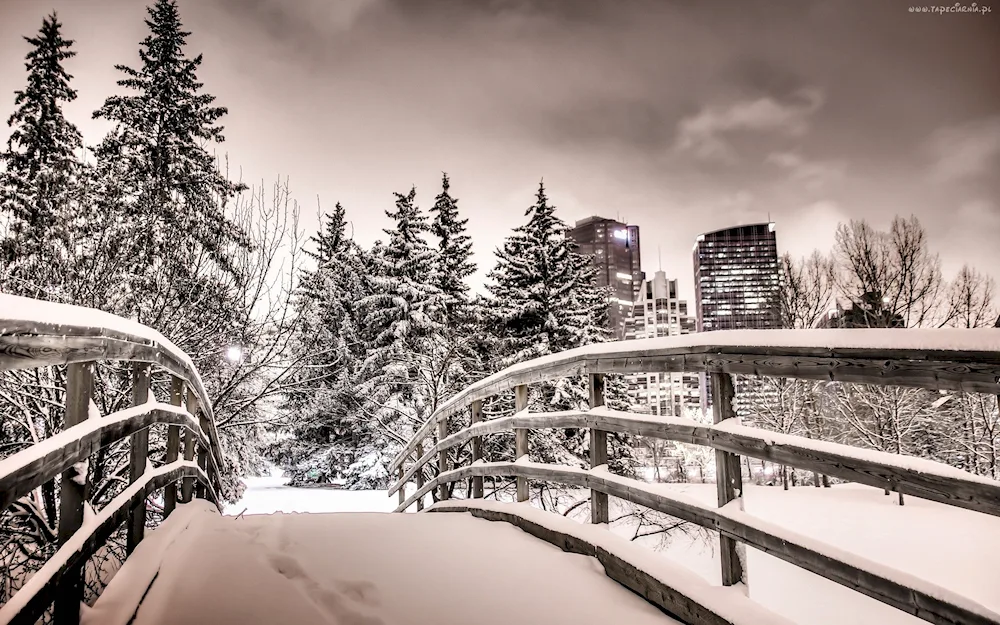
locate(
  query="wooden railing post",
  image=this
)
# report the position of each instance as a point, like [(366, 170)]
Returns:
[(138, 455), (521, 438), (727, 474), (442, 433), (199, 489), (420, 476), (598, 452), (173, 445), (74, 488), (402, 487), (477, 449), (187, 486)]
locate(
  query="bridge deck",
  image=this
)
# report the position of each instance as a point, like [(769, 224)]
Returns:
[(375, 569)]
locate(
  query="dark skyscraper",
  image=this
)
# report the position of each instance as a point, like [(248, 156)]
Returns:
[(736, 279), (614, 246), (736, 284)]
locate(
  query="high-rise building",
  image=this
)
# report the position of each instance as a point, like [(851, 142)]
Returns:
[(659, 311), (736, 284), (614, 247)]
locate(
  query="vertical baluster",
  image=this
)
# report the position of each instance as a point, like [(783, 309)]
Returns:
[(402, 487), (521, 438), (187, 486), (173, 445), (477, 449), (200, 490), (420, 476), (727, 475), (442, 433), (138, 454), (74, 488), (598, 452)]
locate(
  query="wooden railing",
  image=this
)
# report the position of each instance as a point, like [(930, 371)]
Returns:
[(37, 334), (966, 360)]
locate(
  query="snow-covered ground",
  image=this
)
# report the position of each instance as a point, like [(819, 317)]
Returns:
[(953, 548), (265, 495), (369, 569), (379, 569)]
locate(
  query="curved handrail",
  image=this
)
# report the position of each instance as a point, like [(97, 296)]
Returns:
[(36, 333), (919, 477), (892, 587), (32, 599), (952, 359), (967, 360), (28, 469)]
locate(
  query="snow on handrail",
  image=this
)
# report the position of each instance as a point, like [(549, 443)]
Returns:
[(944, 358), (31, 467), (909, 475), (36, 333)]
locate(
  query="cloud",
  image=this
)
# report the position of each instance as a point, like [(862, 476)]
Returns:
[(814, 174), (704, 133), (965, 151), (811, 227)]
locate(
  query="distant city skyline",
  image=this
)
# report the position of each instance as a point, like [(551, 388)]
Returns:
[(676, 117)]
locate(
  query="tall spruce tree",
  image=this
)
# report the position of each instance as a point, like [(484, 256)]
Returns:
[(41, 174), (535, 286), (545, 300), (174, 189), (454, 257), (402, 312), (326, 433)]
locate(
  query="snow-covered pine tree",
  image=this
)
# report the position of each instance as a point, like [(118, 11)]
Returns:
[(325, 431), (454, 258), (544, 301), (401, 374), (174, 187), (40, 180), (534, 285)]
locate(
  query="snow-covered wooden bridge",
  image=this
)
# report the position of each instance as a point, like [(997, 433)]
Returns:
[(497, 558)]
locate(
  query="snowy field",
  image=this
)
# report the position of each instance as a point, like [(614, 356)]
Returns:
[(324, 561)]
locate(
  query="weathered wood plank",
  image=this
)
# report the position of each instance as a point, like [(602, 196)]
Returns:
[(420, 480), (402, 491), (173, 445), (477, 449), (937, 606), (973, 494), (727, 475), (74, 489), (599, 512), (204, 456), (521, 438), (25, 345), (138, 455), (977, 372), (187, 486), (29, 610), (442, 433), (31, 470)]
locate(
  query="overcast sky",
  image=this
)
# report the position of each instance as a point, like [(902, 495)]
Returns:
[(680, 117)]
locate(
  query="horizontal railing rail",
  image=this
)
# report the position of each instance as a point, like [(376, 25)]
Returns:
[(907, 475), (36, 334), (942, 359), (967, 360)]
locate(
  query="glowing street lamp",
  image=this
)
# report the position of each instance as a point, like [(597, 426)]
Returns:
[(234, 353)]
